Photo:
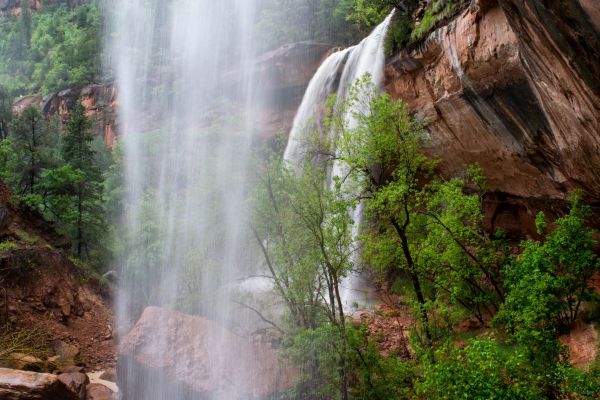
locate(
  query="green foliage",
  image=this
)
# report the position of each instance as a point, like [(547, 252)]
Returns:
[(32, 145), (5, 112), (7, 246), (398, 34), (404, 28), (368, 12), (74, 191), (438, 10), (304, 231), (56, 47), (430, 232), (482, 369), (380, 143), (316, 351), (32, 342), (540, 223), (455, 255), (547, 283), (377, 377)]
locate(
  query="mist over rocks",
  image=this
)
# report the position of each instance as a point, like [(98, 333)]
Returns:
[(195, 364)]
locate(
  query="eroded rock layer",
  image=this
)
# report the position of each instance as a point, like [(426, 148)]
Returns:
[(515, 86)]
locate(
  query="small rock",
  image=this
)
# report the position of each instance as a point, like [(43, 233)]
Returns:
[(76, 382), (109, 375), (54, 359), (26, 362), (95, 378), (67, 352), (70, 369), (96, 391)]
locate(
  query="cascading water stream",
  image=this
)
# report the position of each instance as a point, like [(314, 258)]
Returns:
[(187, 131), (367, 57)]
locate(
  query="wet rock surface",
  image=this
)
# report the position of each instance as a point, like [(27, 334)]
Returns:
[(76, 382), (515, 87), (197, 358), (100, 103), (96, 391), (26, 385)]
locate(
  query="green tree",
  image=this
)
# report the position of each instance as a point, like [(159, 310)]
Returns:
[(5, 112), (74, 192), (33, 142), (54, 48), (548, 282), (482, 369), (304, 231), (380, 142), (457, 256)]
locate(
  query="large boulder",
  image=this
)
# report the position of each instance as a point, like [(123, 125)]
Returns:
[(193, 358), (25, 385)]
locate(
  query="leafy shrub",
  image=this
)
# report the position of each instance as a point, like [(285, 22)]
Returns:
[(482, 369), (6, 246), (439, 10), (32, 342)]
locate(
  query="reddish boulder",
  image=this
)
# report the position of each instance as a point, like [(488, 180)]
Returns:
[(196, 358)]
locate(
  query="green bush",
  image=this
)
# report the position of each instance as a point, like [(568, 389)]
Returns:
[(7, 246), (439, 10)]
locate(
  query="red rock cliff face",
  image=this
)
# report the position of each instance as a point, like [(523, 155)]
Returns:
[(515, 86), (100, 103)]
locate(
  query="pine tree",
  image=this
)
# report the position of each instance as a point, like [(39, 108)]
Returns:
[(5, 112), (74, 191), (33, 143)]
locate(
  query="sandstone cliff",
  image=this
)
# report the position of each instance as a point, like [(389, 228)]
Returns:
[(515, 86), (100, 103)]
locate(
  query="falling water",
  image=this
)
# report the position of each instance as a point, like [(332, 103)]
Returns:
[(187, 129), (367, 57)]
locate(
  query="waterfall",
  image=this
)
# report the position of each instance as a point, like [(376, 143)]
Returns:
[(186, 135), (368, 57)]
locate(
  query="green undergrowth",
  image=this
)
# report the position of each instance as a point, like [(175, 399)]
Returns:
[(7, 246), (30, 342), (438, 11), (404, 31)]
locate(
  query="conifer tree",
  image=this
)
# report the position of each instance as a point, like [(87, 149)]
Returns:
[(74, 191), (33, 144)]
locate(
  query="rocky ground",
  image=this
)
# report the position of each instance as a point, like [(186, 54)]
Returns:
[(55, 316)]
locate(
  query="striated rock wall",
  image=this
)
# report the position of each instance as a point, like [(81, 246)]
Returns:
[(284, 74), (100, 102), (515, 86)]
